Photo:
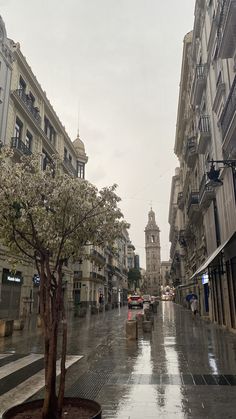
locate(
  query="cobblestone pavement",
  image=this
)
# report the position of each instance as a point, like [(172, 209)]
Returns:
[(184, 368)]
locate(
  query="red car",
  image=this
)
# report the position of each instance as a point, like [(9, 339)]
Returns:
[(135, 301)]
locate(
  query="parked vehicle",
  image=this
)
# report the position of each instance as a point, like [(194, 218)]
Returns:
[(135, 301)]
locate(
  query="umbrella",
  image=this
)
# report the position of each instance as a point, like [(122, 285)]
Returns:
[(189, 297)]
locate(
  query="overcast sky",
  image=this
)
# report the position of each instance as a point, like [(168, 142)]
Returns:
[(118, 62)]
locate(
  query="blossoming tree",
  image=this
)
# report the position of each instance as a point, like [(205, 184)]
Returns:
[(49, 217)]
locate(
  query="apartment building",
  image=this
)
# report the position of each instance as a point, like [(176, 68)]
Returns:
[(31, 126), (203, 196), (6, 61)]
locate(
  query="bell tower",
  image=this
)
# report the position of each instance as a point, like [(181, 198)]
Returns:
[(153, 255)]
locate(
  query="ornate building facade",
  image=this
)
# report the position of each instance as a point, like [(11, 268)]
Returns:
[(202, 212), (153, 255)]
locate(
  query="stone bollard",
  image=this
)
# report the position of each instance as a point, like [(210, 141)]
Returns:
[(131, 329), (139, 318), (6, 327), (147, 326), (18, 324)]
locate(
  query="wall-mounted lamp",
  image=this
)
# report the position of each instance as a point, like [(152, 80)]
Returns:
[(213, 174)]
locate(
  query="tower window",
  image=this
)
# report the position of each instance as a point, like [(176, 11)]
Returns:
[(152, 239)]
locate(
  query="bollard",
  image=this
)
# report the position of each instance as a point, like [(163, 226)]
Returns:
[(131, 329), (147, 326)]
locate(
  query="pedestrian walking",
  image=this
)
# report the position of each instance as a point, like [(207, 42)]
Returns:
[(194, 306)]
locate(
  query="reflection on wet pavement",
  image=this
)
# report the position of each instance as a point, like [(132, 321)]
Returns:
[(184, 368)]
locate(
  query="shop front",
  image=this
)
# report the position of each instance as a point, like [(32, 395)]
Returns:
[(10, 294)]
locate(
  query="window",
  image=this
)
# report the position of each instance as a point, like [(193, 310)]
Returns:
[(18, 129), (28, 140), (45, 159), (65, 153), (31, 98), (22, 84), (80, 169), (49, 131)]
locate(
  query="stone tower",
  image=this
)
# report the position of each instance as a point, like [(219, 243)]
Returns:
[(153, 255)]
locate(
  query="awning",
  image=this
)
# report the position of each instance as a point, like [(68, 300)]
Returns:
[(213, 256)]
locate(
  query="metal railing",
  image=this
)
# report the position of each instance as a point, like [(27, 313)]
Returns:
[(29, 105), (204, 124), (19, 145), (201, 71), (70, 166), (95, 254)]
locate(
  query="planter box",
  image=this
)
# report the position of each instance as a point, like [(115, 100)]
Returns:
[(93, 408), (18, 324), (6, 327)]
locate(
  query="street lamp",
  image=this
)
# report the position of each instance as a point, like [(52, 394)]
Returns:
[(213, 174)]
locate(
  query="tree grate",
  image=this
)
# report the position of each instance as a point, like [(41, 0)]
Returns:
[(88, 385)]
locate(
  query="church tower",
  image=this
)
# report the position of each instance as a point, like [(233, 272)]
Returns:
[(153, 255)]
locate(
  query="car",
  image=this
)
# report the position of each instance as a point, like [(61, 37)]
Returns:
[(135, 301)]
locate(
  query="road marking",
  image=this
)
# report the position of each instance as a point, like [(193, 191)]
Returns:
[(29, 387), (13, 366)]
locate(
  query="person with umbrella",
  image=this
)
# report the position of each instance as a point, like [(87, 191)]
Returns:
[(193, 304)]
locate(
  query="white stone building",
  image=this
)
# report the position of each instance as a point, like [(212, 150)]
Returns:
[(206, 128), (6, 61)]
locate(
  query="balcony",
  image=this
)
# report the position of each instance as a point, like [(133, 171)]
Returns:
[(193, 205), (97, 257), (182, 238), (97, 277), (204, 133), (199, 84), (78, 275), (190, 154), (28, 105), (220, 92), (180, 200), (228, 122), (206, 193), (18, 145), (227, 30), (70, 167)]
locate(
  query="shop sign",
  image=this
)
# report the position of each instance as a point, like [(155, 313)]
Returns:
[(205, 279), (9, 277)]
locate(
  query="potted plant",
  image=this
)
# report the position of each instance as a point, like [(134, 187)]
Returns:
[(48, 217)]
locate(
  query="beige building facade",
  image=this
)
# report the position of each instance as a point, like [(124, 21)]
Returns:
[(32, 126), (202, 212)]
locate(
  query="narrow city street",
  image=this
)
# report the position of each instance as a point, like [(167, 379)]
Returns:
[(186, 368)]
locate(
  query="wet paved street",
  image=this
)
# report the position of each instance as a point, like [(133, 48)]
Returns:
[(185, 368)]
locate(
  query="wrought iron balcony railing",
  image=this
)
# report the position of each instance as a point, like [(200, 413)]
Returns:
[(19, 145), (29, 105), (70, 166)]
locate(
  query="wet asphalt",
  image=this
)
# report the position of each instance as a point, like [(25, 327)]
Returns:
[(184, 368)]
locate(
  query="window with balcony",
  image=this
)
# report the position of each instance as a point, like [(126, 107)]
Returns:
[(22, 84), (28, 140), (49, 131), (18, 129), (45, 160)]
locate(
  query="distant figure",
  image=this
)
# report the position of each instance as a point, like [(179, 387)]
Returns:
[(194, 306)]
